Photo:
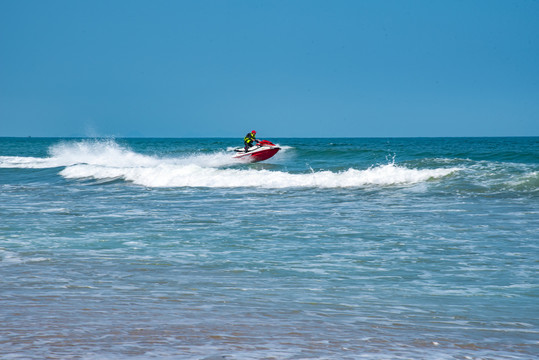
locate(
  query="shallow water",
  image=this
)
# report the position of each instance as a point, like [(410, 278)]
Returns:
[(333, 249)]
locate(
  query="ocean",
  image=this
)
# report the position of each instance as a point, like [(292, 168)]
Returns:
[(349, 248)]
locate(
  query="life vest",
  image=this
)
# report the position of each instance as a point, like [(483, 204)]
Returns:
[(249, 138)]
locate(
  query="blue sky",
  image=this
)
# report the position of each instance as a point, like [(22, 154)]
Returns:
[(285, 68)]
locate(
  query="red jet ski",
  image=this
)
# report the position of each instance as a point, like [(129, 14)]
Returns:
[(259, 152)]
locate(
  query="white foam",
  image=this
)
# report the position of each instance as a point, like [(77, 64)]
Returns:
[(192, 175), (27, 162), (108, 160), (104, 153)]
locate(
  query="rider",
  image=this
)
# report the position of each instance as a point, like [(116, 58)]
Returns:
[(249, 138)]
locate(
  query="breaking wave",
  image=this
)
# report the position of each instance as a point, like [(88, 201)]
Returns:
[(103, 160)]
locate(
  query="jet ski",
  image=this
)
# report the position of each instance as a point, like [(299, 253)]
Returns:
[(259, 152)]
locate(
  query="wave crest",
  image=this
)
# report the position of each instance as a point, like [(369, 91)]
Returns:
[(166, 175)]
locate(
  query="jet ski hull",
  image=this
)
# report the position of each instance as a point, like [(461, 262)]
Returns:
[(257, 153)]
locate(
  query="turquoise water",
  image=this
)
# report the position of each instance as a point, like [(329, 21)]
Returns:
[(332, 249)]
